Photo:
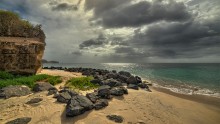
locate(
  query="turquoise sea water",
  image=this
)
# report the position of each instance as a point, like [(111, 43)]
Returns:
[(181, 78)]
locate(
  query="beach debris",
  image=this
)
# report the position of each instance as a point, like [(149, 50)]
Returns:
[(115, 118), (34, 100), (132, 86), (78, 105), (42, 86), (101, 104), (14, 91), (24, 120)]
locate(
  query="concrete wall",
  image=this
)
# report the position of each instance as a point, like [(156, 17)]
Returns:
[(21, 55)]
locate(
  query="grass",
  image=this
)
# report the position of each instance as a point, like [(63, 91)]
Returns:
[(7, 79), (81, 83)]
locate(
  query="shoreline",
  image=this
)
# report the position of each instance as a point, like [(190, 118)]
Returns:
[(209, 100), (160, 106)]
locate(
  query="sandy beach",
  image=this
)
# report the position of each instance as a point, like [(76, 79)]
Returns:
[(138, 107)]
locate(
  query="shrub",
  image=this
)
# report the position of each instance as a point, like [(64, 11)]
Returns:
[(8, 79), (12, 25), (81, 83), (5, 75)]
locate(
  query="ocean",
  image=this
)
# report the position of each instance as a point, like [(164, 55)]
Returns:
[(202, 79)]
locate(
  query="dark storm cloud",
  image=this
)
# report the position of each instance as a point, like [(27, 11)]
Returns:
[(93, 42), (138, 14), (64, 7), (179, 40)]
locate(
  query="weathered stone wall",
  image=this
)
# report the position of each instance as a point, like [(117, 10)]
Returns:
[(21, 55)]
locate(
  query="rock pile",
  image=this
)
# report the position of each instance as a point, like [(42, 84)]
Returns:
[(112, 83)]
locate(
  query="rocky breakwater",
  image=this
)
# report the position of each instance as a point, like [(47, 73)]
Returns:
[(21, 55), (111, 84)]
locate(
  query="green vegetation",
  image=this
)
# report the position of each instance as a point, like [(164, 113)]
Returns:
[(5, 75), (81, 83), (11, 25), (54, 80), (7, 79)]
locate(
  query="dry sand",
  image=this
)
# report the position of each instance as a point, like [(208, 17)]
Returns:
[(137, 107)]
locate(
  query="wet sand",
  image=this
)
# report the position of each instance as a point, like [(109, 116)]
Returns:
[(157, 107)]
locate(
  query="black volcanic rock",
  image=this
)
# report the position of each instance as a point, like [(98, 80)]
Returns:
[(78, 105), (14, 91)]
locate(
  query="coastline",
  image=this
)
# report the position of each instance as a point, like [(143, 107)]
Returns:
[(209, 100), (139, 106)]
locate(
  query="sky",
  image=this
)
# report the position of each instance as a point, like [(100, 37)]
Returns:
[(127, 31)]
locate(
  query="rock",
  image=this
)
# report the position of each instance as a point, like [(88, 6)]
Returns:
[(101, 104), (34, 100), (96, 81), (143, 85), (24, 120), (78, 105), (132, 80), (14, 91), (118, 91), (132, 86), (122, 78), (63, 97), (112, 82), (92, 96), (21, 58), (127, 74), (42, 86), (114, 71), (104, 91), (69, 91), (52, 91), (115, 118), (138, 79), (112, 75)]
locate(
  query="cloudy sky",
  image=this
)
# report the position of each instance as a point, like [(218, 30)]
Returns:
[(125, 30)]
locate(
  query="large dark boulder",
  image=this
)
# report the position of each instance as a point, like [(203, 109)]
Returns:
[(124, 73), (101, 104), (14, 91), (42, 86), (132, 80), (115, 118), (78, 105), (24, 120), (118, 91), (112, 75), (63, 97), (104, 91), (92, 96), (138, 79), (69, 91), (132, 86), (143, 85), (96, 81), (112, 82)]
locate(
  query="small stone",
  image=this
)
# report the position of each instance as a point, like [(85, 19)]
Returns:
[(34, 100), (24, 120), (115, 118)]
